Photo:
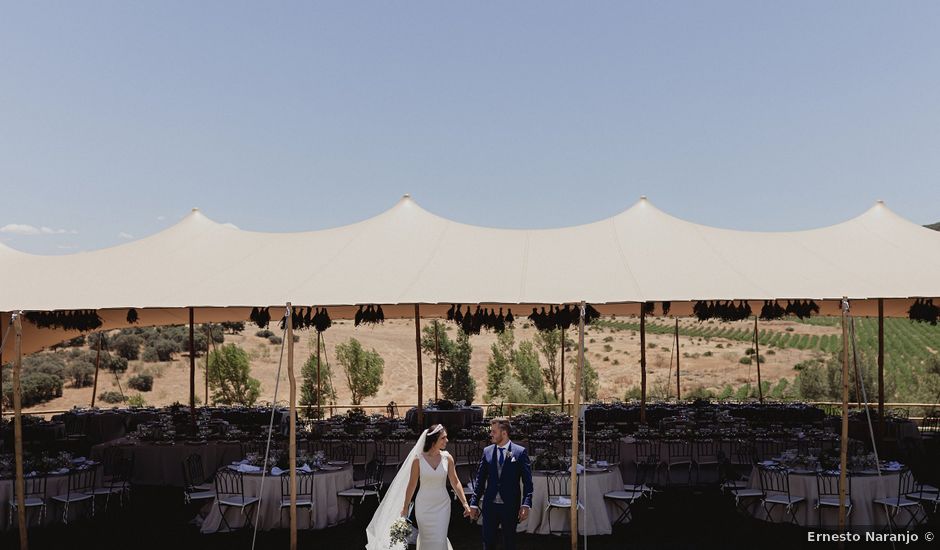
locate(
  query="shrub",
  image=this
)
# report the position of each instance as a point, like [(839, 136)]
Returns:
[(165, 348), (707, 354), (115, 364), (81, 372), (111, 397), (141, 382), (127, 346), (136, 401), (720, 346), (274, 339), (749, 351), (651, 345), (608, 348), (745, 360), (608, 338), (265, 333), (234, 327), (37, 387)]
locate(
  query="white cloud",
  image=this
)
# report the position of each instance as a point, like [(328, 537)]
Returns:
[(125, 235), (26, 229), (161, 218)]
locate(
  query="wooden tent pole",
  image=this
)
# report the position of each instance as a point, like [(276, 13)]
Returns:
[(319, 388), (18, 431), (94, 387), (562, 370), (881, 368), (844, 440), (437, 358), (420, 373), (575, 418), (760, 387), (208, 343), (292, 439), (192, 367), (678, 387), (642, 363)]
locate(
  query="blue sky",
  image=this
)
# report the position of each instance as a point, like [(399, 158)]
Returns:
[(116, 118)]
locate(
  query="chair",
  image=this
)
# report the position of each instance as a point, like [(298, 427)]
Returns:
[(625, 499), (230, 493), (119, 483), (194, 490), (342, 451), (680, 454), (253, 446), (192, 465), (827, 490), (81, 483), (903, 502), (391, 410), (604, 450), (109, 458), (34, 496), (389, 451), (559, 496), (775, 484), (461, 452), (647, 458), (304, 494), (729, 477), (705, 453), (369, 487)]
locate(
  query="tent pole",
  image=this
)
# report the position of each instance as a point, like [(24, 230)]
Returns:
[(642, 363), (881, 368), (760, 387), (420, 374), (844, 440), (18, 432), (319, 389), (678, 390), (94, 387), (292, 440), (192, 367), (562, 369), (208, 343), (437, 358), (575, 418)]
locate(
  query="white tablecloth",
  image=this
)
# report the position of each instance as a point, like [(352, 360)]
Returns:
[(865, 489), (328, 508)]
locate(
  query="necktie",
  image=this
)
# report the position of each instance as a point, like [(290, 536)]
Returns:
[(501, 456)]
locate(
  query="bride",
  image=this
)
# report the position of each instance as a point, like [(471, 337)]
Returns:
[(430, 464)]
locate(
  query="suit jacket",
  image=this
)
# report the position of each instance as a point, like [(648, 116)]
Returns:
[(517, 470)]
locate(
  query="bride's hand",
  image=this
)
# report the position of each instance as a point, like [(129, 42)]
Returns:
[(404, 513)]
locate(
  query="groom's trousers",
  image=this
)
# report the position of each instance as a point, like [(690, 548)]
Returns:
[(500, 515)]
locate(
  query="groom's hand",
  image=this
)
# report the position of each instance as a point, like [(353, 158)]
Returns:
[(523, 513)]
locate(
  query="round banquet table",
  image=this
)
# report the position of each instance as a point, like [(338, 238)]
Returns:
[(598, 514), (157, 463), (56, 484), (865, 489), (328, 509)]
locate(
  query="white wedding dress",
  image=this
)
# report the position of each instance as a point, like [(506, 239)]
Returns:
[(432, 504)]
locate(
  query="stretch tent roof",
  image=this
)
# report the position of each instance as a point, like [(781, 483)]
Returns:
[(407, 255)]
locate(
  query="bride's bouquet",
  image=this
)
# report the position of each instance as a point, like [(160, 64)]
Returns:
[(400, 533)]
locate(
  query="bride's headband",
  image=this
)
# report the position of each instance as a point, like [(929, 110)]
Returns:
[(437, 429)]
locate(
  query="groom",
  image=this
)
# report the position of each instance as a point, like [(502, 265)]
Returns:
[(496, 489)]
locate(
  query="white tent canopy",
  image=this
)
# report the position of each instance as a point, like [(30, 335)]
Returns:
[(407, 255)]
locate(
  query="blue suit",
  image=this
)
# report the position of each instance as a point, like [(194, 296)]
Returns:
[(514, 487)]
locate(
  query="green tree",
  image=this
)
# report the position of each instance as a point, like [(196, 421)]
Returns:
[(308, 389), (589, 381), (236, 327), (528, 370), (457, 384), (81, 372), (127, 346), (436, 344), (499, 367), (230, 377), (548, 342), (363, 369), (811, 382)]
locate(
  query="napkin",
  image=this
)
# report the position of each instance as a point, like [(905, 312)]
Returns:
[(275, 471), (79, 460), (305, 468), (602, 463), (248, 468)]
